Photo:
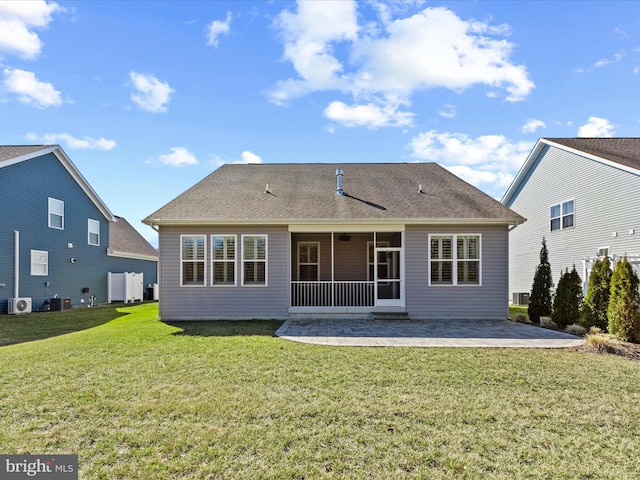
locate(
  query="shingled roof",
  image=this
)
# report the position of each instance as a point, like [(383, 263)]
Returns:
[(625, 151), (8, 152), (253, 193), (126, 241)]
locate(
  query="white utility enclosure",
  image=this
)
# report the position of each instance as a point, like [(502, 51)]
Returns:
[(125, 287)]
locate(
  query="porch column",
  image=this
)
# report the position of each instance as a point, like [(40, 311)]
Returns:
[(333, 279)]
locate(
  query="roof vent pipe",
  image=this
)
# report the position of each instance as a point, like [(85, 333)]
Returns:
[(339, 174)]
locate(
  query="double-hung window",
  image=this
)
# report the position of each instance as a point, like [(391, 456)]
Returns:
[(561, 215), (454, 260), (56, 214), (192, 259), (94, 232), (39, 263), (309, 261), (254, 259), (224, 259)]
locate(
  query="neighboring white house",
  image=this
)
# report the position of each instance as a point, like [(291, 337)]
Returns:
[(583, 196), (277, 240)]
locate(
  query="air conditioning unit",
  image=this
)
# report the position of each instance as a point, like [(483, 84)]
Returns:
[(520, 298), (19, 305)]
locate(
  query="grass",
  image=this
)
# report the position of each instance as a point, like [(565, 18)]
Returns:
[(137, 398)]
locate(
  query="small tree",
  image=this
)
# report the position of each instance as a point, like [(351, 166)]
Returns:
[(540, 298), (624, 311), (596, 302), (568, 300)]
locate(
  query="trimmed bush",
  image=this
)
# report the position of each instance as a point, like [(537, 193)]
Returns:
[(596, 302), (575, 329), (623, 311), (540, 298), (568, 300)]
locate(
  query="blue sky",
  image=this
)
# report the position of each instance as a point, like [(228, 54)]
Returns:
[(148, 97)]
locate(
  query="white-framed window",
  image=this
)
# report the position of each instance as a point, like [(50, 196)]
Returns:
[(192, 260), (223, 256), (383, 262), (455, 259), (39, 263), (56, 213), (94, 232), (309, 261), (561, 215), (254, 260), (603, 252)]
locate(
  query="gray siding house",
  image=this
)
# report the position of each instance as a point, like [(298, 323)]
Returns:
[(57, 237), (583, 196), (341, 240)]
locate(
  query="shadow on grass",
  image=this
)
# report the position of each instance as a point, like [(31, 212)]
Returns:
[(227, 328), (37, 326)]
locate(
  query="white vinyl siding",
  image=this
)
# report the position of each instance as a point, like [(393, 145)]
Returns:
[(39, 263), (223, 255), (454, 259), (56, 214), (254, 260), (94, 232), (193, 260)]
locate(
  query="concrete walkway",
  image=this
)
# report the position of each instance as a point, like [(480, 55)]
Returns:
[(425, 333)]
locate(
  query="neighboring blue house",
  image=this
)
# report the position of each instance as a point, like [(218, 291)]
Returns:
[(57, 237)]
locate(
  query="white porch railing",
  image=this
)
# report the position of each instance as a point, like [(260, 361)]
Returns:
[(332, 294)]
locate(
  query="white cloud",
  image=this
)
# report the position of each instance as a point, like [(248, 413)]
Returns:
[(84, 143), (388, 61), (17, 19), (30, 90), (151, 94), (533, 125), (489, 160), (309, 37), (178, 157), (217, 28), (596, 127), (249, 157), (606, 61), (448, 111), (369, 115)]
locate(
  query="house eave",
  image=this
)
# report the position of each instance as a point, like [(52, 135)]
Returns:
[(339, 222), (134, 256), (542, 142)]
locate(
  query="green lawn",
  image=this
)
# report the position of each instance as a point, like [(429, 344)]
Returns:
[(136, 398)]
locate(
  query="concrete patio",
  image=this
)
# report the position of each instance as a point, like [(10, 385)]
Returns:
[(425, 333)]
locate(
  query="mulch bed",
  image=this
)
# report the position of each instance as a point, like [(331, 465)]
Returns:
[(627, 350)]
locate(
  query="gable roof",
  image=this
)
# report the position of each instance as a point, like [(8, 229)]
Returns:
[(306, 193), (12, 154), (126, 241), (623, 153)]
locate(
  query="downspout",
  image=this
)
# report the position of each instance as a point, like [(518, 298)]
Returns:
[(16, 260)]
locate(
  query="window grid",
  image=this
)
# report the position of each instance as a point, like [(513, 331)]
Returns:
[(561, 215)]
